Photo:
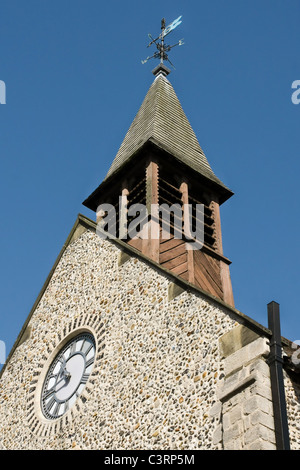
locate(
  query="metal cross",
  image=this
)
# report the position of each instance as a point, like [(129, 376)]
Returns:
[(162, 48)]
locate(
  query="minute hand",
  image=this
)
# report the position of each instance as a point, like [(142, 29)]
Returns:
[(54, 388)]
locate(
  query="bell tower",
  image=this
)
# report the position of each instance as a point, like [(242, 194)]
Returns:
[(161, 164)]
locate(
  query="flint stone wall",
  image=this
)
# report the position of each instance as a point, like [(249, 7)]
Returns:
[(157, 377), (292, 394)]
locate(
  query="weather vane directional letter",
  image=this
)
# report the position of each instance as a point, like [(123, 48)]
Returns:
[(162, 48)]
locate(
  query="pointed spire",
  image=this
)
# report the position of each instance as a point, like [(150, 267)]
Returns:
[(162, 121)]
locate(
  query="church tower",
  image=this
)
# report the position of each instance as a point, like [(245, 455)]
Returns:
[(160, 163), (134, 342)]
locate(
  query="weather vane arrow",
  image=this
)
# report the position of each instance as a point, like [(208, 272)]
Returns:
[(162, 48)]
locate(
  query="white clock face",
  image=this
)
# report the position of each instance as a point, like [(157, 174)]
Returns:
[(67, 375)]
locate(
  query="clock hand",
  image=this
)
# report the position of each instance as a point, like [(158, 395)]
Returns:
[(51, 390), (65, 377), (63, 370), (66, 374), (54, 388)]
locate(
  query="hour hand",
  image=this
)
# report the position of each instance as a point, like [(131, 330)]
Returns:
[(65, 373)]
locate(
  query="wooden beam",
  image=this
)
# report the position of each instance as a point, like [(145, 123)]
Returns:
[(226, 284), (224, 268), (217, 223), (150, 245), (190, 253)]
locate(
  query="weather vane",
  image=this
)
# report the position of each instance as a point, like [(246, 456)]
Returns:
[(162, 48)]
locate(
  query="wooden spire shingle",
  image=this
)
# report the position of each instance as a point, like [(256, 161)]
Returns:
[(162, 121)]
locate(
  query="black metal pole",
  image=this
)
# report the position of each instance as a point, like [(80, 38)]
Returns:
[(275, 362)]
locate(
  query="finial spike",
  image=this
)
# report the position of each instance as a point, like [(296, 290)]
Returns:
[(161, 69)]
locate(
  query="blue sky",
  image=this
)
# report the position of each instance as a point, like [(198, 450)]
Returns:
[(74, 82)]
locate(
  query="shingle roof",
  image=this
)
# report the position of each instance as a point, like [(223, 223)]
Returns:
[(162, 120)]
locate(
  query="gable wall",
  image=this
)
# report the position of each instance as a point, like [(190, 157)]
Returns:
[(158, 373)]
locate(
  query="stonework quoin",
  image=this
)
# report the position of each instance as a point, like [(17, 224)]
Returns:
[(245, 395), (2, 92)]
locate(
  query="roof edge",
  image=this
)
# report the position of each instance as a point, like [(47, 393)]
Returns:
[(151, 141), (81, 220)]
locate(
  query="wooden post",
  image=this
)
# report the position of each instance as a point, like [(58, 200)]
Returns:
[(217, 222), (150, 244), (224, 267), (190, 253)]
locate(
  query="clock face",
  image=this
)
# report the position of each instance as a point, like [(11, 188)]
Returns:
[(67, 375)]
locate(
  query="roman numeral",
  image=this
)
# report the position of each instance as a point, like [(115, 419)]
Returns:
[(72, 348), (84, 379), (89, 362), (51, 403), (55, 411), (48, 393), (88, 350)]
